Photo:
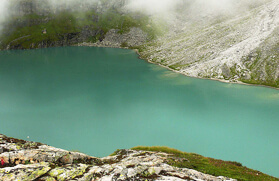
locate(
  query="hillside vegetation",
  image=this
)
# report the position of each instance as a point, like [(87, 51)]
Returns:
[(207, 165), (68, 28)]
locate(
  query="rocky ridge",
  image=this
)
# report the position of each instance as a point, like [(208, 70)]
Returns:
[(25, 160)]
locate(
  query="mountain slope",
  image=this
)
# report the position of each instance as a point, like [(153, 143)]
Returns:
[(237, 48)]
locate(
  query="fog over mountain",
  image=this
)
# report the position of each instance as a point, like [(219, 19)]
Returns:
[(170, 10), (3, 13), (197, 7)]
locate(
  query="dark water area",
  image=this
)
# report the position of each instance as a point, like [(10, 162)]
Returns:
[(97, 100)]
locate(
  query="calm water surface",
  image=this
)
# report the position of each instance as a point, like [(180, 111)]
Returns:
[(97, 100)]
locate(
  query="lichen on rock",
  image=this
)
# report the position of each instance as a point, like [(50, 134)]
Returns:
[(43, 162), (37, 161)]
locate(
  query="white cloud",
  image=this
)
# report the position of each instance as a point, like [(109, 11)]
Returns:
[(194, 8), (153, 6), (4, 4)]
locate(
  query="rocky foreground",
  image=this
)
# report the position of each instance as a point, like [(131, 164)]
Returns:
[(25, 160)]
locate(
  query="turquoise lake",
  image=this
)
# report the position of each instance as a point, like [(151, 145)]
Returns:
[(97, 100)]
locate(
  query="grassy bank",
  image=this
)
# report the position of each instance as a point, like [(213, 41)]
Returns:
[(210, 166)]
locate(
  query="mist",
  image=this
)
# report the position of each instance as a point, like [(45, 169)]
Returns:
[(198, 6), (73, 4), (4, 4), (163, 8), (153, 6)]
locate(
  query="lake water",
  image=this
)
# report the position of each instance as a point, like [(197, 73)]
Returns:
[(97, 100)]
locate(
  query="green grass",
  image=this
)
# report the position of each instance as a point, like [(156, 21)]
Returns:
[(32, 35), (175, 66), (209, 165), (263, 58), (269, 83)]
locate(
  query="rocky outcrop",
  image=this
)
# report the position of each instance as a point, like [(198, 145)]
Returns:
[(135, 37), (25, 160)]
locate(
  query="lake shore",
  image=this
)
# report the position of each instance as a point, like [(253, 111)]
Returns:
[(74, 87), (140, 57)]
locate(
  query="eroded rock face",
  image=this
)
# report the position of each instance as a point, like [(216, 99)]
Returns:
[(25, 160)]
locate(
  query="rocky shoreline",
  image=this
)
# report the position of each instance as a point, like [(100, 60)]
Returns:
[(25, 160), (102, 45)]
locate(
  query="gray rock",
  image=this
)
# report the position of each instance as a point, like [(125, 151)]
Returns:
[(29, 160)]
